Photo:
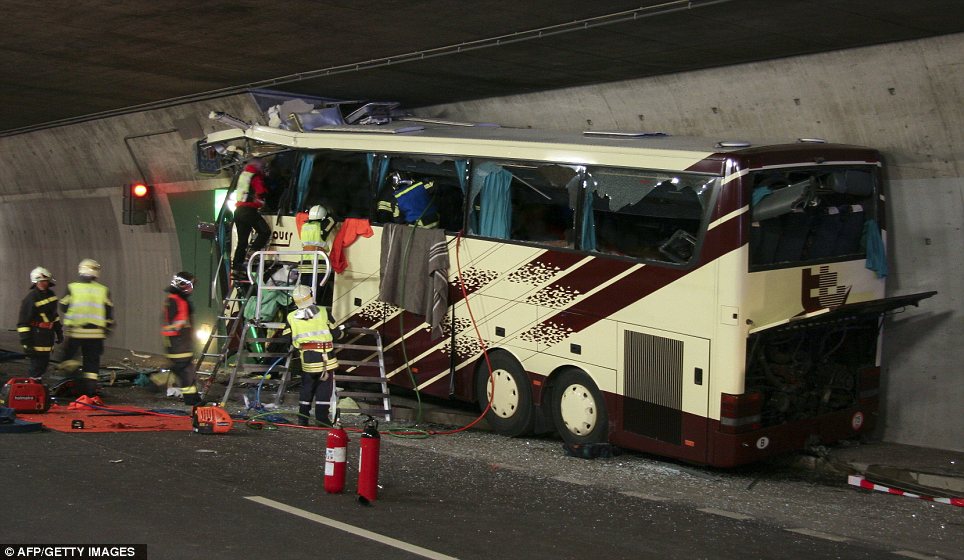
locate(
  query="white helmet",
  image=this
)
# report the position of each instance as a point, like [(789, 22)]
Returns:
[(317, 212), (302, 297), (183, 281), (40, 273), (89, 267)]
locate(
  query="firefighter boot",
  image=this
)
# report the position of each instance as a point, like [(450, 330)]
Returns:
[(321, 415), (304, 412)]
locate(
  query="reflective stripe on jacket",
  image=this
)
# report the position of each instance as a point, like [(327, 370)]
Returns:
[(38, 320)]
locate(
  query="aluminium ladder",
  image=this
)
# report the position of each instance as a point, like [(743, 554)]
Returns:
[(362, 348), (226, 329)]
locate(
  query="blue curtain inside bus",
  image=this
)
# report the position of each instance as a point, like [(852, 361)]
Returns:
[(382, 169), (876, 252), (492, 182), (304, 174), (588, 219)]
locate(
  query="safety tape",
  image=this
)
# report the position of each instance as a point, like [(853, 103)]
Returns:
[(861, 482)]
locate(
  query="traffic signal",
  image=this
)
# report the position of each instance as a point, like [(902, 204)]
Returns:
[(138, 204)]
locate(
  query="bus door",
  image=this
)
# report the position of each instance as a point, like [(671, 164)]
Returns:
[(664, 377)]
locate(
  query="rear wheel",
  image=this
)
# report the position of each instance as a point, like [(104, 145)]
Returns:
[(578, 409), (511, 413)]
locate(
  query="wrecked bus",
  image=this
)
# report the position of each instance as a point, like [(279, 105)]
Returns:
[(717, 303)]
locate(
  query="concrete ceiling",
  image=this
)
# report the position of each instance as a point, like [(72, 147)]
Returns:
[(63, 61)]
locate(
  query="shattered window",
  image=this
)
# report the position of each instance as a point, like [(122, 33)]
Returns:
[(530, 202), (645, 214)]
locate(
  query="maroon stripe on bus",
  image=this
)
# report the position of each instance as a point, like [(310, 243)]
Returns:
[(589, 275), (713, 164), (729, 199), (639, 284)]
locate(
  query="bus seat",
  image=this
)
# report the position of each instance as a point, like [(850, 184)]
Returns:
[(852, 218), (826, 229), (852, 181), (796, 229), (764, 238)]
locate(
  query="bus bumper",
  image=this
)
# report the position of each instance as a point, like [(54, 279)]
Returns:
[(730, 450)]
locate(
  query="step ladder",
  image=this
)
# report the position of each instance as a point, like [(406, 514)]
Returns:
[(227, 326), (362, 348)]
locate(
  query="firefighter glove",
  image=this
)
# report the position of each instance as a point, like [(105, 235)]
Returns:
[(59, 335)]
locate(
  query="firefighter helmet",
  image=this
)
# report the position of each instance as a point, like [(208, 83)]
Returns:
[(183, 281), (89, 267), (317, 212), (302, 297), (40, 273)]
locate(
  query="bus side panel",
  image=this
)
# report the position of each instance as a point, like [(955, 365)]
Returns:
[(663, 380)]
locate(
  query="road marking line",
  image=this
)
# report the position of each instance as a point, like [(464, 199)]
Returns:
[(819, 535), (916, 555), (649, 497), (424, 552), (724, 513), (572, 480)]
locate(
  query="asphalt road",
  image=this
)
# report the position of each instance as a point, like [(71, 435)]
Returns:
[(258, 494)]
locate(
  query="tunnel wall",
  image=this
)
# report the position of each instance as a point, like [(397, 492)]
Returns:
[(61, 201), (901, 98)]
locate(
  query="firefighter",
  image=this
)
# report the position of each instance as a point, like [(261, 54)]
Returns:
[(310, 331), (178, 333), (404, 201), (249, 196), (88, 319), (314, 237), (39, 323)]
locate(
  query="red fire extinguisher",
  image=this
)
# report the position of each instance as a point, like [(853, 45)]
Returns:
[(336, 455), (368, 463)]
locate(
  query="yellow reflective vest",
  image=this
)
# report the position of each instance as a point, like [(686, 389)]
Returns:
[(315, 333), (87, 310), (315, 233)]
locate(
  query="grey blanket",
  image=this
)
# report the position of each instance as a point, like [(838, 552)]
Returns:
[(414, 272)]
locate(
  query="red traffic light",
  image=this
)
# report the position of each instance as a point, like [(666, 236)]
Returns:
[(138, 204)]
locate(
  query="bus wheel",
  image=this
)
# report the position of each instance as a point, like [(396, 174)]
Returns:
[(578, 409), (511, 413)]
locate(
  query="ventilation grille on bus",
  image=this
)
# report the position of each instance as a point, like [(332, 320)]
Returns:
[(653, 368)]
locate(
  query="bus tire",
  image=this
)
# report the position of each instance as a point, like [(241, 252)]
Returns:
[(578, 408), (512, 410)]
